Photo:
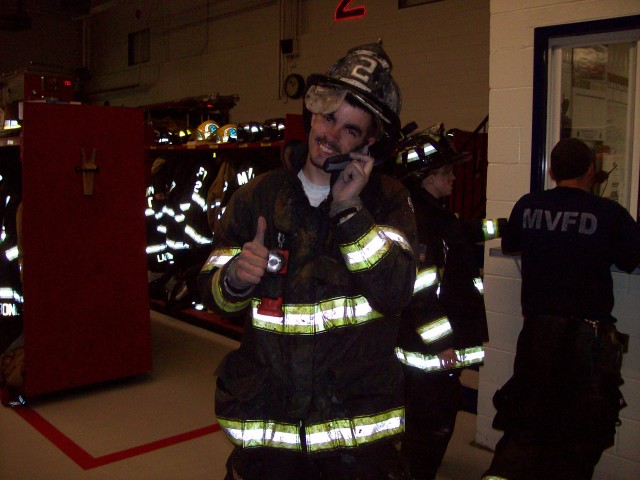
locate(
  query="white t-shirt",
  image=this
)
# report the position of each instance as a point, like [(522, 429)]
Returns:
[(315, 193)]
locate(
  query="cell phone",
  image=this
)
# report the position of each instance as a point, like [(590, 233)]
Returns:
[(336, 163)]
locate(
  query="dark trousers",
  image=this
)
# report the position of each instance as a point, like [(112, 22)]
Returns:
[(379, 461), (432, 401), (560, 409)]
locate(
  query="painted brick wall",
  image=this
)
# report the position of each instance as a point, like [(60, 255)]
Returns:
[(510, 99)]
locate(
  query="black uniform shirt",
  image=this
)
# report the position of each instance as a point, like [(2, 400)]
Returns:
[(569, 239)]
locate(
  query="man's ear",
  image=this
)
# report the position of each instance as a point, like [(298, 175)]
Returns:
[(552, 175)]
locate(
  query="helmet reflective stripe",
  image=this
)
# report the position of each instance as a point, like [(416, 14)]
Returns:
[(223, 303), (436, 330), (430, 363), (326, 436), (490, 229), (220, 257), (321, 317), (426, 278), (367, 251), (477, 282), (413, 155)]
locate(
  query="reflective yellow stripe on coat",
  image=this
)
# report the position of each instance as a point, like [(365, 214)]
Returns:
[(369, 249), (326, 436), (308, 319), (430, 363)]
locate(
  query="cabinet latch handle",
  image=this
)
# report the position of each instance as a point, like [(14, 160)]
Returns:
[(88, 170)]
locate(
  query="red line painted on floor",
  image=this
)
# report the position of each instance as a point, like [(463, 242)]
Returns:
[(84, 459)]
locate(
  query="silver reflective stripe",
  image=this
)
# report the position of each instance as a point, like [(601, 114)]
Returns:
[(256, 433), (353, 432), (369, 249), (177, 245), (220, 257), (201, 202), (490, 229), (331, 435), (7, 293), (477, 282), (396, 236), (430, 363), (224, 303), (435, 330), (426, 278), (199, 239), (156, 248), (12, 253), (309, 319)]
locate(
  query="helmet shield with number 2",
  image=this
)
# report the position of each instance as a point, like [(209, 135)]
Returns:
[(363, 74)]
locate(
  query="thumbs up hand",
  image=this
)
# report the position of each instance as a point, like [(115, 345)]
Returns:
[(250, 265)]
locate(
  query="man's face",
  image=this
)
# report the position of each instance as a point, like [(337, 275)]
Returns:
[(339, 132), (441, 182)]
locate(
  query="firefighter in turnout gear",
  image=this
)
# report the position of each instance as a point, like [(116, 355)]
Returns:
[(560, 408), (445, 325), (321, 265)]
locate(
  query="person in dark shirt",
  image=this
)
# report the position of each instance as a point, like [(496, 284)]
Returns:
[(560, 408)]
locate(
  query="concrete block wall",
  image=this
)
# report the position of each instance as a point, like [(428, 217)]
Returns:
[(440, 53), (510, 113)]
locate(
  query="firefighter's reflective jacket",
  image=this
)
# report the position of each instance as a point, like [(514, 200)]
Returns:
[(160, 185), (447, 309), (11, 300), (321, 374)]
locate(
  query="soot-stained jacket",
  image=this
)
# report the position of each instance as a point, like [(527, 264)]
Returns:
[(321, 375), (447, 309)]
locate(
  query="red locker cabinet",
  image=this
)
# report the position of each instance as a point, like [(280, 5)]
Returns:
[(86, 307)]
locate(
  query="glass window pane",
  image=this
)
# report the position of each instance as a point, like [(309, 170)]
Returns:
[(595, 103)]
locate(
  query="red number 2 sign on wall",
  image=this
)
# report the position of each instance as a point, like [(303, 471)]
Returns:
[(344, 12)]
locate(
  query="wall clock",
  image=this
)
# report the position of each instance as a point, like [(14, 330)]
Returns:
[(294, 86)]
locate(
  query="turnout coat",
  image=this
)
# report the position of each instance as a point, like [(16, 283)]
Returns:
[(321, 375)]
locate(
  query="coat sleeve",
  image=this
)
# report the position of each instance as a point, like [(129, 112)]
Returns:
[(231, 233), (376, 245)]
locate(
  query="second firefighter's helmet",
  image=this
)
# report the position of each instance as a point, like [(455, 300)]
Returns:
[(426, 151)]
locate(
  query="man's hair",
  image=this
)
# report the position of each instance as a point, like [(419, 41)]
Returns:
[(570, 158), (375, 127)]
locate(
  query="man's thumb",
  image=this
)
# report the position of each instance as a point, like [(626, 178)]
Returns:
[(262, 227)]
